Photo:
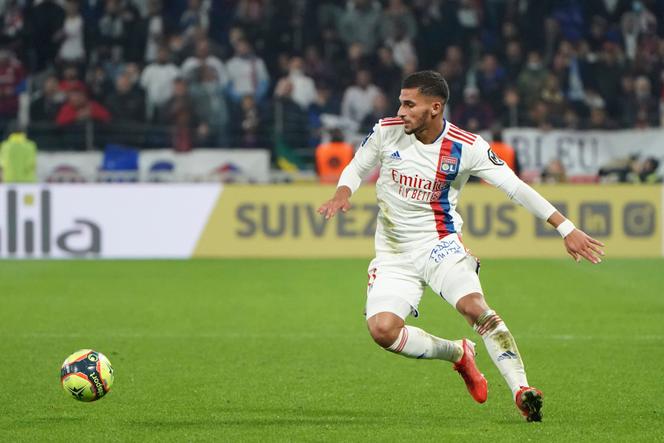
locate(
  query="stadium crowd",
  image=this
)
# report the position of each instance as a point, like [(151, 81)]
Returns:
[(255, 73)]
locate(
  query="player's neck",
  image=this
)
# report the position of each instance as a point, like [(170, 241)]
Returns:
[(431, 133)]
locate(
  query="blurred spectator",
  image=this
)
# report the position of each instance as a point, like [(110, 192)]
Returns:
[(247, 72), (113, 31), (46, 101), (126, 104), (326, 103), (246, 127), (402, 46), (210, 107), (513, 60), (531, 79), (491, 80), (360, 23), (46, 21), (553, 96), (554, 172), (503, 150), (645, 172), (195, 16), (304, 89), (157, 80), (512, 115), (332, 157), (154, 29), (472, 114), (386, 73), (358, 99), (72, 35), (314, 65), (540, 117), (204, 58), (79, 109), (12, 24), (180, 117), (398, 19), (71, 79), (12, 75), (99, 84), (291, 121), (599, 119), (380, 109), (18, 159), (640, 107)]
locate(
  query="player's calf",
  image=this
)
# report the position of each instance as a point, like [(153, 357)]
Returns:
[(502, 348)]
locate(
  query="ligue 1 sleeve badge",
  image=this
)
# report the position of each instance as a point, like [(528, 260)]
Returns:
[(448, 164), (494, 158)]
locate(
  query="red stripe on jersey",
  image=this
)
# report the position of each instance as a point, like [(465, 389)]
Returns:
[(392, 124), (458, 138), (436, 205), (454, 133), (463, 131), (460, 131)]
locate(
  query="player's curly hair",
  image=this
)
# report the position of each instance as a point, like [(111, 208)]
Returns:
[(429, 83)]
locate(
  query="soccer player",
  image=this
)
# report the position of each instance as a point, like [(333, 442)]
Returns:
[(424, 163)]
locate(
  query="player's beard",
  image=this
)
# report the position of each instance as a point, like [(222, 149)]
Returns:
[(421, 125)]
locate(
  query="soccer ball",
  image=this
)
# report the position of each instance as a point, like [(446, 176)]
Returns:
[(87, 375)]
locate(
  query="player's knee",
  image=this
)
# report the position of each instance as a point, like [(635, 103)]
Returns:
[(472, 306), (385, 329)]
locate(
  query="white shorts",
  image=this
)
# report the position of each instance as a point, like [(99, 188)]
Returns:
[(397, 281)]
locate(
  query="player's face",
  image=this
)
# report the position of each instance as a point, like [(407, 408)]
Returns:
[(417, 110)]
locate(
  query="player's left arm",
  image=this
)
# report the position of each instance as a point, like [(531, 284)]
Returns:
[(485, 164)]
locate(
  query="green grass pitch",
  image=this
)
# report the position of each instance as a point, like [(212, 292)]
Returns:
[(277, 350)]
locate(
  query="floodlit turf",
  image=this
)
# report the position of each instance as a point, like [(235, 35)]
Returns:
[(277, 350)]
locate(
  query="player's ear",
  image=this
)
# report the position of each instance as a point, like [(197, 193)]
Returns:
[(436, 108)]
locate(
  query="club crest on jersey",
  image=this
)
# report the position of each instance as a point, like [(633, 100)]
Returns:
[(448, 164)]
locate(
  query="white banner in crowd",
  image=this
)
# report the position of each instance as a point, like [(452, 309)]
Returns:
[(582, 152), (200, 165), (104, 221)]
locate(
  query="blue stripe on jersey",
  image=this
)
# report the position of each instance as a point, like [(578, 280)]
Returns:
[(444, 196)]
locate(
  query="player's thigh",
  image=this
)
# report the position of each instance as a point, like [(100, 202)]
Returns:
[(394, 287), (450, 271)]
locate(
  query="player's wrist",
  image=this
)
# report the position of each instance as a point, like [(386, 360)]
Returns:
[(565, 228)]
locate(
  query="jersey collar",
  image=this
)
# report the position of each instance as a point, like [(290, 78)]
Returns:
[(442, 133)]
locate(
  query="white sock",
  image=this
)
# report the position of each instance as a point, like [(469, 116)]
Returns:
[(415, 343), (502, 348)]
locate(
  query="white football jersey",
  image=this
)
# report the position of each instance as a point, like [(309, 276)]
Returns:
[(419, 184)]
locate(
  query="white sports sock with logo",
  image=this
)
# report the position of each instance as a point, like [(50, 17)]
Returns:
[(415, 343), (502, 349)]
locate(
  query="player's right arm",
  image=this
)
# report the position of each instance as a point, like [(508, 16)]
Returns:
[(365, 160)]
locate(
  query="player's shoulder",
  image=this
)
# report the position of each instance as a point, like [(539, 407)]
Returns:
[(390, 121), (465, 138), (390, 127)]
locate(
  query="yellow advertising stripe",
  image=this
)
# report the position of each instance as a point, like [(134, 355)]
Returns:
[(281, 221)]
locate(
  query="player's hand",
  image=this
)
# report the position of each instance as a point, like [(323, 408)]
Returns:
[(337, 203), (581, 245)]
